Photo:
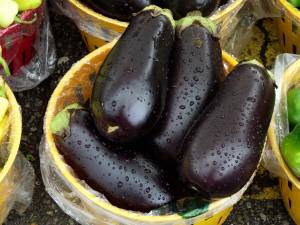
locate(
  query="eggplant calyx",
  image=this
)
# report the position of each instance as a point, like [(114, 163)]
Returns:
[(195, 18), (4, 64), (257, 63), (194, 13), (21, 21), (157, 11), (61, 121)]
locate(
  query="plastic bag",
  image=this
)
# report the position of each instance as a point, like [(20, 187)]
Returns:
[(88, 23), (241, 25), (19, 188), (283, 62), (29, 50), (16, 173), (92, 24)]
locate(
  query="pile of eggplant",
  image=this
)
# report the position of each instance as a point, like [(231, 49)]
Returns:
[(124, 9), (163, 121)]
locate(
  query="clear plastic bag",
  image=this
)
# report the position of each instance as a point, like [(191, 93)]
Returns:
[(19, 187), (240, 27), (284, 82), (90, 24), (97, 26), (16, 173), (34, 42)]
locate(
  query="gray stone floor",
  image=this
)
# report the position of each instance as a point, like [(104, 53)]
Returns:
[(260, 206)]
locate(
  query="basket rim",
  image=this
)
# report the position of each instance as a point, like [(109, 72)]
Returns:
[(120, 24), (293, 11), (82, 7), (72, 180), (273, 138), (15, 128)]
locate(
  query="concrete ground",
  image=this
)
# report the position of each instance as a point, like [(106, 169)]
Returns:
[(261, 205)]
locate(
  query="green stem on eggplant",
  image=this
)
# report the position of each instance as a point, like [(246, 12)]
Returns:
[(3, 63), (195, 17), (157, 11), (62, 119)]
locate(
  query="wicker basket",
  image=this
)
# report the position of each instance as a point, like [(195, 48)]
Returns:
[(111, 28)]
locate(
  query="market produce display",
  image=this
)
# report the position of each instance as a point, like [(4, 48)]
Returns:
[(290, 144), (9, 10), (13, 12), (295, 3), (124, 9), (293, 102), (141, 85)]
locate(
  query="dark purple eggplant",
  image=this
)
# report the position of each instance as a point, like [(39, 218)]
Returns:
[(128, 179), (224, 147), (223, 2), (130, 90), (180, 8), (118, 9), (196, 70)]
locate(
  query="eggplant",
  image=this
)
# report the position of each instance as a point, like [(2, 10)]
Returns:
[(128, 179), (224, 147), (196, 71), (118, 9), (181, 8), (130, 90), (224, 2)]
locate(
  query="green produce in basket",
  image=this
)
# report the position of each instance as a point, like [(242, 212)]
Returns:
[(290, 149), (8, 12), (295, 3), (28, 4), (293, 102)]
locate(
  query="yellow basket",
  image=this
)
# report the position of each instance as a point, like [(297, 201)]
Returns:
[(290, 187), (76, 86), (114, 28), (7, 174), (289, 27)]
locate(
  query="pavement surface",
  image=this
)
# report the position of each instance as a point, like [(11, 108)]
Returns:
[(261, 205)]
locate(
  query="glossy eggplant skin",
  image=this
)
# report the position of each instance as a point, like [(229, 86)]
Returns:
[(130, 90), (128, 179), (224, 147), (118, 9), (196, 70), (181, 8)]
